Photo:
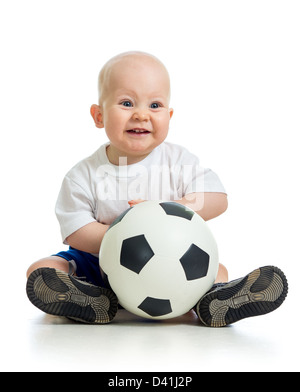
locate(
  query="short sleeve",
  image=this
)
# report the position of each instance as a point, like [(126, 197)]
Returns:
[(198, 179), (74, 208), (204, 180)]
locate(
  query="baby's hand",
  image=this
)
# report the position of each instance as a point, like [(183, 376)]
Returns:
[(134, 202)]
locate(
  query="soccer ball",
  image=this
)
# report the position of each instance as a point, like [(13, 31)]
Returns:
[(159, 258)]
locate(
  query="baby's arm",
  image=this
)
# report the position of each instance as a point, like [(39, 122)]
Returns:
[(88, 238), (208, 205)]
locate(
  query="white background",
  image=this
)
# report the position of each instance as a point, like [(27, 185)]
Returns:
[(234, 68)]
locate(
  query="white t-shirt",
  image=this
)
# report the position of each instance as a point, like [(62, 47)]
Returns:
[(95, 190)]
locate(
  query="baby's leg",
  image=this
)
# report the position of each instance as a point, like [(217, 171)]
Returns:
[(222, 276), (52, 262)]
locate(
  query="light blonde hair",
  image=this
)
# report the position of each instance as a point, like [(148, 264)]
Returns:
[(104, 75)]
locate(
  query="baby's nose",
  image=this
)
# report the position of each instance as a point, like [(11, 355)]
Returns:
[(141, 115)]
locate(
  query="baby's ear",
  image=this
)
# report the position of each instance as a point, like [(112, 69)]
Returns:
[(96, 113)]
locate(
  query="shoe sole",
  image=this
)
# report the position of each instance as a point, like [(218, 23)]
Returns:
[(57, 293), (260, 292)]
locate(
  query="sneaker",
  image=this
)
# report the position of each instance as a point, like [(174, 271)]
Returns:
[(55, 292), (259, 292)]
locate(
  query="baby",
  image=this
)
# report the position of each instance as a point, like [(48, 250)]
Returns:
[(135, 165)]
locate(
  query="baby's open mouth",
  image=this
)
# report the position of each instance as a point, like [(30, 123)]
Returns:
[(138, 131)]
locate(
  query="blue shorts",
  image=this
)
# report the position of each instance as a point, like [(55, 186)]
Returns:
[(87, 265)]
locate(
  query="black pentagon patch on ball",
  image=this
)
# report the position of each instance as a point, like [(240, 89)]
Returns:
[(156, 307), (119, 218), (135, 253), (195, 263), (176, 209)]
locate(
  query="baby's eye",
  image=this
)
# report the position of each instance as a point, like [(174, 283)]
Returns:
[(155, 105), (127, 104)]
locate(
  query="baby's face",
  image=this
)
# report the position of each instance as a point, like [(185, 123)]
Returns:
[(135, 110)]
